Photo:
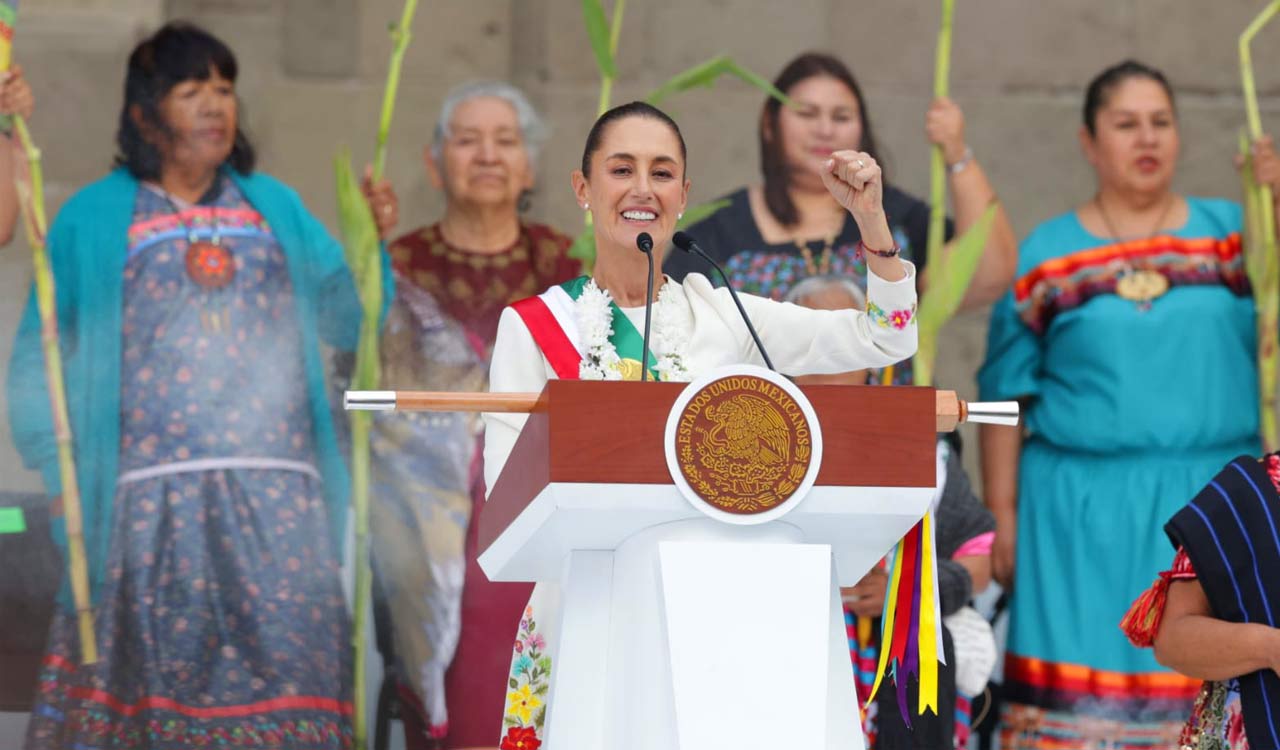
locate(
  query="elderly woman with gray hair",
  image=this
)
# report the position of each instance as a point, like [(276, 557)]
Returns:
[(450, 628)]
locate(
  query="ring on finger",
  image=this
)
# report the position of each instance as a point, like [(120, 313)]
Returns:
[(861, 164)]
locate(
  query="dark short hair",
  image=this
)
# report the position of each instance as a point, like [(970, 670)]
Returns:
[(178, 52), (1100, 88), (623, 112), (773, 156)]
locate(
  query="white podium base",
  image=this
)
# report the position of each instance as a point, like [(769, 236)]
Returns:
[(657, 647)]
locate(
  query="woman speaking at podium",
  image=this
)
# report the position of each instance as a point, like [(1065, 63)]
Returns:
[(633, 182)]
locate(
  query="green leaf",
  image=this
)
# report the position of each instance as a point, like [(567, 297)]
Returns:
[(584, 247), (706, 74), (355, 222), (950, 274), (513, 684), (598, 30)]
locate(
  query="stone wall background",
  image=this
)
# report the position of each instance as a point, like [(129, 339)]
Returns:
[(312, 73)]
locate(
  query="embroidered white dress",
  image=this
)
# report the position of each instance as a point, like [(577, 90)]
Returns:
[(799, 340)]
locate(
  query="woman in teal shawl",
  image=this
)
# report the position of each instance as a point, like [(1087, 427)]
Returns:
[(193, 296)]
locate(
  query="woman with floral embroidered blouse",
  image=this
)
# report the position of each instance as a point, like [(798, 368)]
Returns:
[(1111, 299), (633, 181), (772, 235)]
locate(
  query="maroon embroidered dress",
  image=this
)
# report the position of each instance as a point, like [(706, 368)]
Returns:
[(471, 289)]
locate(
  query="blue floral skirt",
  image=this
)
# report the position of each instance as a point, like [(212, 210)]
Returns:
[(221, 622)]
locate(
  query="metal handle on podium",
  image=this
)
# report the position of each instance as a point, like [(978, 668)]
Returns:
[(1005, 413), (438, 401), (951, 410)]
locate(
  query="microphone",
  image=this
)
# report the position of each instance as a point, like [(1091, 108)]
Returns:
[(686, 243), (645, 243)]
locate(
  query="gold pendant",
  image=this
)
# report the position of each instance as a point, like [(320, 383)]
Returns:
[(630, 369), (1142, 286)]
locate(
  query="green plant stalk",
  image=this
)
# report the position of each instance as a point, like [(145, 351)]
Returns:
[(367, 272), (1261, 261), (937, 162), (615, 35), (1262, 270), (586, 251), (400, 36), (36, 224)]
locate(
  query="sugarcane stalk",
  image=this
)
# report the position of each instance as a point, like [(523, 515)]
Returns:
[(1263, 266), (400, 44), (36, 224), (366, 375), (615, 34), (937, 162)]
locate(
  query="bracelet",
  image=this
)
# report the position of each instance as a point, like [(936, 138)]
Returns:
[(965, 160), (862, 248)]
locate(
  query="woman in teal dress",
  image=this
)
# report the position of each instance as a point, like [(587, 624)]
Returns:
[(1129, 336)]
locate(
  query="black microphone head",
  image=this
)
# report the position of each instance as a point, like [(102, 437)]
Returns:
[(683, 241), (644, 242)]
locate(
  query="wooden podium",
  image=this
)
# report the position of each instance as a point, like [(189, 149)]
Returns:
[(677, 630)]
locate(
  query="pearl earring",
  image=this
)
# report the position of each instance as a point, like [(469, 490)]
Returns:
[(586, 206), (680, 216)]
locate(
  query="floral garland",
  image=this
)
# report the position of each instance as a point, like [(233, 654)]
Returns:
[(670, 336)]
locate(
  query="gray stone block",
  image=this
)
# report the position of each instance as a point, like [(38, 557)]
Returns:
[(321, 38), (886, 43), (146, 10), (76, 69), (1014, 45), (452, 41), (1198, 48)]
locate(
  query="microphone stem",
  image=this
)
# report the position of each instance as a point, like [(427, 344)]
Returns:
[(648, 313), (741, 310)]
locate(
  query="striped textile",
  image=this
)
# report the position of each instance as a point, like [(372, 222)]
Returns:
[(1229, 531)]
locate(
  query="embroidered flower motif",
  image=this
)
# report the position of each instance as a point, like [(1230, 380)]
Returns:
[(521, 665), (522, 703), (896, 319), (521, 738), (529, 682)]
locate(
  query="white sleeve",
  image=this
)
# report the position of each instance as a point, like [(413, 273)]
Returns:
[(802, 341), (517, 366)]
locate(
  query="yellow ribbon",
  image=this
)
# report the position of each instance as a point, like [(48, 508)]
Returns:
[(928, 629), (886, 622)]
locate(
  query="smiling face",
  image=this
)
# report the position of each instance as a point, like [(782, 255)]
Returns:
[(1135, 145), (484, 160), (637, 184), (200, 118), (827, 117)]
